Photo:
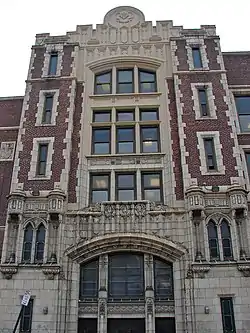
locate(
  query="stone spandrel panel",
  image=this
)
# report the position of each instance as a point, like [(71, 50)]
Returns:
[(7, 150)]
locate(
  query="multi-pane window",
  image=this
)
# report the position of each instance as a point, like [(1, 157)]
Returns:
[(197, 57), (125, 187), (204, 107), (125, 81), (125, 115), (40, 242), (99, 187), (151, 186), (225, 245), (47, 111), (126, 276), (125, 138), (149, 139), (103, 83), (53, 63), (26, 318), (210, 154), (102, 116), (101, 140), (147, 81), (243, 110), (148, 115), (89, 277), (42, 159), (213, 240), (227, 314), (163, 279), (27, 243)]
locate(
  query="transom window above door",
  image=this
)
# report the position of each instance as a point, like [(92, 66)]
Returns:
[(125, 81)]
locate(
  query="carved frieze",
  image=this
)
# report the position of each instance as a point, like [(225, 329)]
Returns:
[(7, 150), (126, 308), (124, 160), (164, 308), (87, 308)]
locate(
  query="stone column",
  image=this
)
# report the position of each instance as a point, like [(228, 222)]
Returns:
[(240, 230), (103, 294), (149, 294)]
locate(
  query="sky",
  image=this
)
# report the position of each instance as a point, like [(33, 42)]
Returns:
[(21, 20)]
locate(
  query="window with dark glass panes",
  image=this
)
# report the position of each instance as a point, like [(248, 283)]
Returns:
[(213, 240), (163, 280), (125, 81), (40, 242), (125, 140), (47, 112), (151, 186), (243, 110), (149, 139), (42, 159), (27, 243), (148, 115), (227, 314), (126, 276), (197, 57), (204, 108), (26, 317), (147, 81), (226, 240), (102, 116), (247, 155), (210, 153), (53, 63), (103, 83), (101, 141), (89, 278), (124, 115), (99, 188), (125, 187)]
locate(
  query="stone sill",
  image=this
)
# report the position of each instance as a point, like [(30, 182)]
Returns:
[(125, 155), (106, 96)]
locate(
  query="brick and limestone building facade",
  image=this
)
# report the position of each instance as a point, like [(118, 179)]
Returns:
[(124, 182)]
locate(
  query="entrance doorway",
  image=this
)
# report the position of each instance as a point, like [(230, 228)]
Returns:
[(128, 325), (87, 325), (164, 325)]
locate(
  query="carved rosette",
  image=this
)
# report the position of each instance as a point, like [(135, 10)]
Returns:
[(8, 271), (50, 271), (195, 198), (238, 198)]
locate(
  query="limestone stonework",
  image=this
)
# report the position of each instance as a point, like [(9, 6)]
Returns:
[(135, 218)]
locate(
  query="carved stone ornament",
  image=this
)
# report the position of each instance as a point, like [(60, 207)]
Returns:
[(244, 268), (124, 15), (87, 308), (164, 308), (199, 270), (7, 150), (50, 271), (102, 306), (8, 271), (126, 309), (150, 306)]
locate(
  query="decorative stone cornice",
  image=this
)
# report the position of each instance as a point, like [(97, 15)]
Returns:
[(50, 271), (8, 270)]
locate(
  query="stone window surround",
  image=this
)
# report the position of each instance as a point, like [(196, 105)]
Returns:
[(218, 153), (233, 238), (34, 157), (210, 99), (136, 123), (49, 49), (9, 155), (138, 182), (238, 91), (197, 42), (245, 149), (40, 107)]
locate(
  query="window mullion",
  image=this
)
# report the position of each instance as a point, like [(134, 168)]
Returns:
[(114, 75), (220, 243), (136, 79)]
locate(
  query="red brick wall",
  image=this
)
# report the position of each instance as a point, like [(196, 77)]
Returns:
[(74, 160), (238, 68), (67, 60), (10, 111), (36, 71), (175, 141)]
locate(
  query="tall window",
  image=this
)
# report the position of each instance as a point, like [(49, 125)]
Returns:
[(26, 317), (40, 242), (197, 57), (150, 139), (213, 240), (99, 187), (152, 186), (42, 159), (47, 112), (125, 81), (227, 314), (125, 187), (210, 154), (147, 81), (204, 107), (101, 140), (243, 110), (126, 276), (103, 83), (163, 280), (27, 243), (125, 140), (53, 63), (247, 155), (89, 278), (226, 240)]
